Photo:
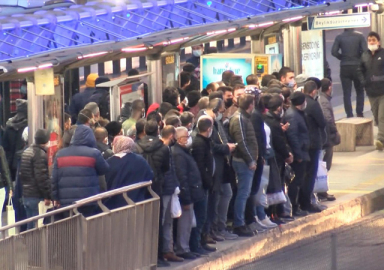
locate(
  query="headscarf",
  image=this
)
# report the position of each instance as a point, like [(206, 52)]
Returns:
[(122, 145)]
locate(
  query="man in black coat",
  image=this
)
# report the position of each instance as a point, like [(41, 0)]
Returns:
[(202, 153), (316, 127), (34, 176), (298, 140)]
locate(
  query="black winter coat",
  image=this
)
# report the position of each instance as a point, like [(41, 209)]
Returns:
[(170, 178), (106, 152), (191, 188), (258, 127), (201, 152), (278, 139), (34, 175), (316, 124), (371, 72), (297, 133), (220, 150), (152, 148)]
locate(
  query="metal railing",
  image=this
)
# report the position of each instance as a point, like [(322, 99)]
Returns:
[(118, 239)]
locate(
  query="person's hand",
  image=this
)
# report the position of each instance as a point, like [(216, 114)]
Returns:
[(231, 146), (299, 160), (10, 193), (289, 160), (253, 166), (47, 202), (186, 207), (56, 204), (285, 126)]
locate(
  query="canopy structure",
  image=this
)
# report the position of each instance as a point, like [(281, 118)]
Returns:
[(77, 32)]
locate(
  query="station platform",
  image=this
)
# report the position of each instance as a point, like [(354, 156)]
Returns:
[(357, 181)]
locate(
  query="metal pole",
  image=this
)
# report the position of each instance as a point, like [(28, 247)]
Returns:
[(333, 251), (155, 80)]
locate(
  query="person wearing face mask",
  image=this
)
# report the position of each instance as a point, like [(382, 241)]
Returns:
[(202, 153), (287, 77), (333, 136), (34, 175), (316, 127), (238, 91), (348, 48), (298, 140), (227, 95), (197, 51), (371, 75), (191, 190)]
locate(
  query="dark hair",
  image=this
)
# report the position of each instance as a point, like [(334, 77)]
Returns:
[(236, 79), (274, 90), (217, 94), (274, 82), (315, 80), (184, 77), (309, 87), (226, 76), (154, 116), (210, 86), (181, 93), (374, 34), (138, 105), (204, 124), (84, 116), (215, 104), (264, 100), (140, 125), (193, 98), (286, 92), (325, 84), (252, 79), (275, 102), (245, 101), (186, 118), (237, 87), (225, 89), (151, 128), (188, 67), (172, 120), (171, 95), (266, 78), (66, 117), (164, 108), (167, 131), (113, 128), (133, 72), (172, 112), (284, 71), (275, 74)]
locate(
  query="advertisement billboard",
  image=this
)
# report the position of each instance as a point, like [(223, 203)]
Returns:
[(312, 56), (213, 67)]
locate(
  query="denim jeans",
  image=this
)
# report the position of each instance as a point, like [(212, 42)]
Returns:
[(222, 210), (212, 208), (200, 209), (31, 206), (167, 225), (244, 183)]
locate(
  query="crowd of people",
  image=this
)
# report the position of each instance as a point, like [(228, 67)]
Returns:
[(209, 147)]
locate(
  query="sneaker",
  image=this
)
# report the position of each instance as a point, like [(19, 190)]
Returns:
[(286, 218), (243, 231), (162, 263), (209, 248), (266, 223), (218, 238), (200, 252), (172, 257), (227, 235), (299, 213), (207, 239), (187, 256), (256, 228), (379, 145)]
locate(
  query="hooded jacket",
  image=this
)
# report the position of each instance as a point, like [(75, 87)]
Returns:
[(79, 101), (77, 167), (157, 156), (13, 141)]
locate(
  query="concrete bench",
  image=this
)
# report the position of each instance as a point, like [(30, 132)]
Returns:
[(354, 132)]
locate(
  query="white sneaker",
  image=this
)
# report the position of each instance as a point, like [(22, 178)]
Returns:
[(267, 223)]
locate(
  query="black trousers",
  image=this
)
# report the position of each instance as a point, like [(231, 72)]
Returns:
[(296, 184), (328, 156), (348, 74), (309, 179)]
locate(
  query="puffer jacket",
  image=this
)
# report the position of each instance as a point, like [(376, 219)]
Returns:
[(155, 152), (297, 133), (76, 169), (371, 72), (170, 177), (241, 131), (191, 186), (34, 175)]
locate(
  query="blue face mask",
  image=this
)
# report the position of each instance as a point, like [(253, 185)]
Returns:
[(291, 83), (23, 89)]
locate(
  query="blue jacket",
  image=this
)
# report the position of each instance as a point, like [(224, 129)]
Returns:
[(77, 167), (124, 171), (79, 101)]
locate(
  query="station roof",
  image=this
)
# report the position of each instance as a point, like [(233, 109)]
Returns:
[(79, 35)]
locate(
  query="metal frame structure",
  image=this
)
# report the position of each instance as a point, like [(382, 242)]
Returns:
[(62, 36)]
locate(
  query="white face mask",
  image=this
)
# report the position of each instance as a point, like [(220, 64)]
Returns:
[(291, 83), (210, 133), (189, 142), (373, 48), (197, 53)]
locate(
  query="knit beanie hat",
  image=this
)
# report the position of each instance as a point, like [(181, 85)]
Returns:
[(91, 79)]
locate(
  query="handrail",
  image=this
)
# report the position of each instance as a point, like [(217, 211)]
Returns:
[(78, 204)]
